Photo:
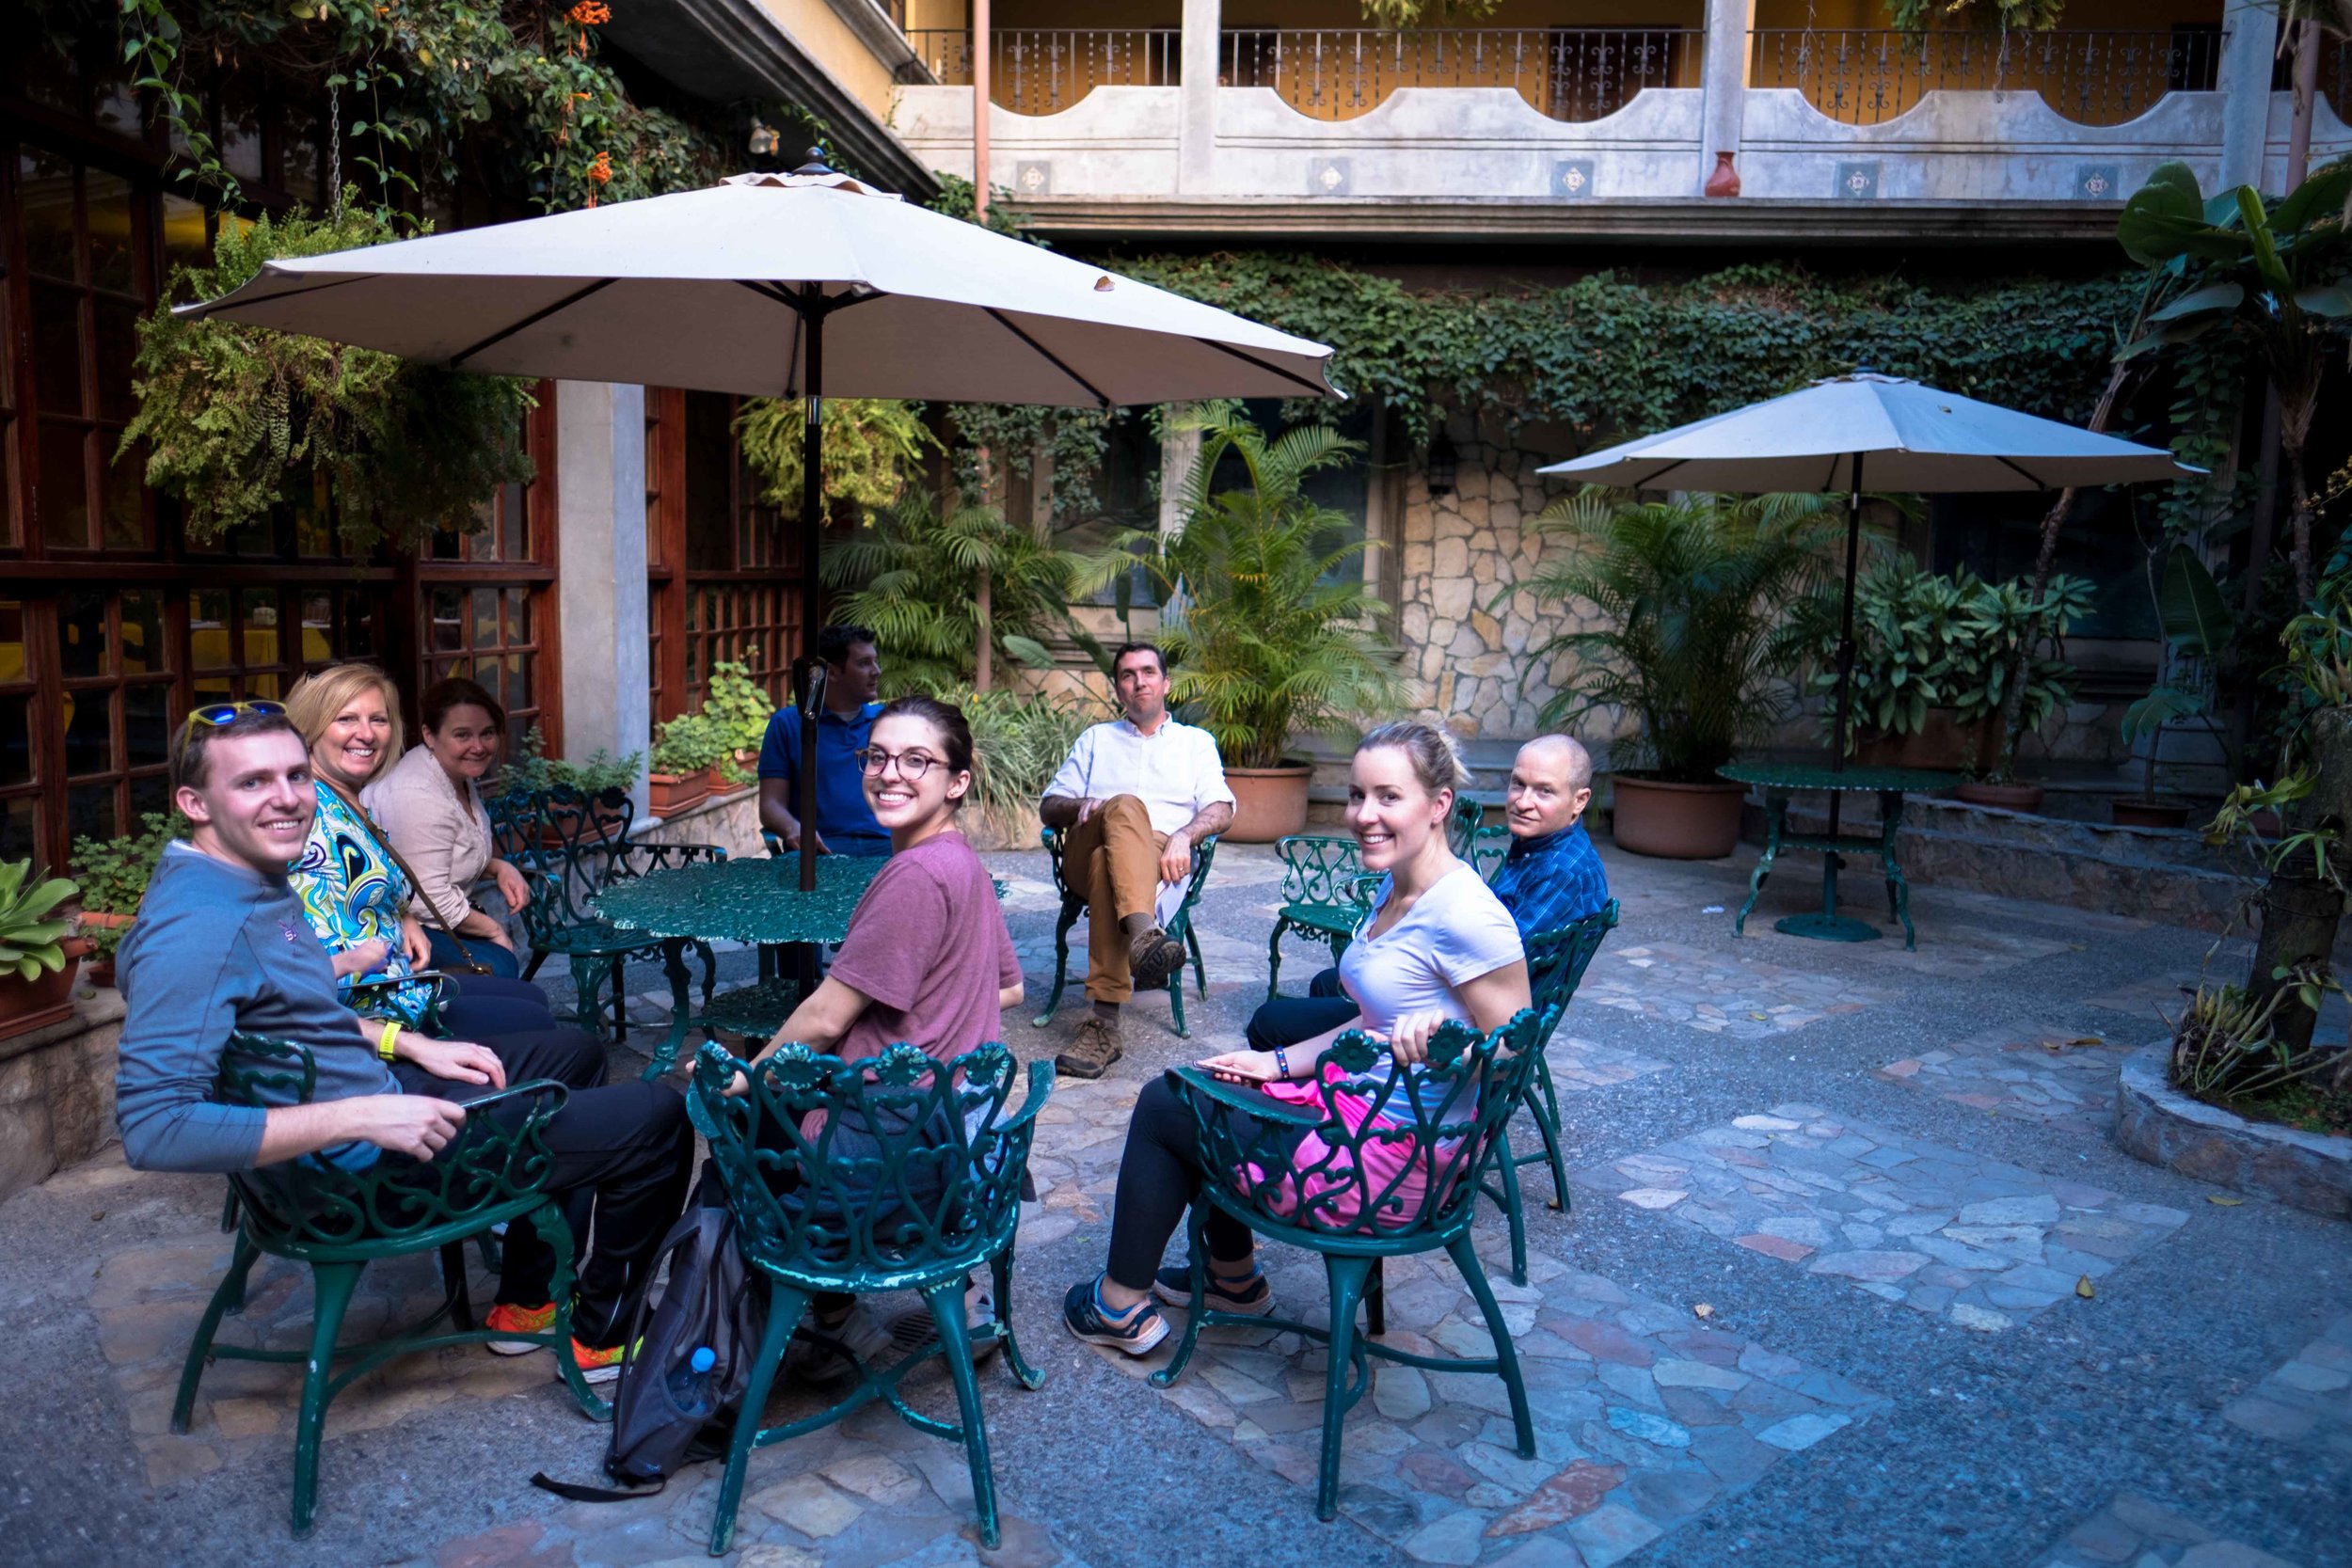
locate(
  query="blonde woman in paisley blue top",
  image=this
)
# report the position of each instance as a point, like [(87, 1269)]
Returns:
[(354, 892)]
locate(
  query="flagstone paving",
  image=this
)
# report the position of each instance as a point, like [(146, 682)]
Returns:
[(2133, 1532), (2049, 1074), (1943, 1231), (2204, 1390), (2306, 1401)]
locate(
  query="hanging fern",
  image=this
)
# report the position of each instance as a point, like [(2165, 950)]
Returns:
[(2009, 16), (873, 447), (237, 418)]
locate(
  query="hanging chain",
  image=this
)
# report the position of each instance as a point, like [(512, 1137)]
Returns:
[(334, 148)]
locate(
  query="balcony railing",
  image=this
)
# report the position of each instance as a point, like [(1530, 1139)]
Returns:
[(1864, 76), (1044, 71), (2335, 76), (1572, 73)]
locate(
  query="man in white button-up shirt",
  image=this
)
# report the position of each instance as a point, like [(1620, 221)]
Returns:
[(1135, 795)]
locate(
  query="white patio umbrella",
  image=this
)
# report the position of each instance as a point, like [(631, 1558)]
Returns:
[(809, 285), (1906, 436)]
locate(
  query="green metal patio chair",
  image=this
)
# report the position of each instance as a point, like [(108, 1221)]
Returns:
[(1074, 904), (1300, 1176), (337, 1221), (912, 1180), (1556, 962), (570, 846), (1319, 872)]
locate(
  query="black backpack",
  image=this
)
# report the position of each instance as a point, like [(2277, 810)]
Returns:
[(711, 1301)]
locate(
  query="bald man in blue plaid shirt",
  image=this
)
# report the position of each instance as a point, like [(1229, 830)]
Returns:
[(1552, 878)]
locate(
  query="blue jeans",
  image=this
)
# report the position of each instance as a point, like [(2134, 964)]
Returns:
[(449, 952)]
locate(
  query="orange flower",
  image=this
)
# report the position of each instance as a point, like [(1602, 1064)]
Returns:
[(600, 169), (591, 13)]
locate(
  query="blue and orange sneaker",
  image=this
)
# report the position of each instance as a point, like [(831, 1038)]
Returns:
[(1090, 1318)]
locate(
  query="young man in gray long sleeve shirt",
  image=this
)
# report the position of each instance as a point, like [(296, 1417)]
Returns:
[(221, 944)]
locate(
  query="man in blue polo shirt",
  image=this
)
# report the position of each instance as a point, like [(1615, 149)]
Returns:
[(845, 823)]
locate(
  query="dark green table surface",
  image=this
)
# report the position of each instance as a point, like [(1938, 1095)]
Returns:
[(747, 898)]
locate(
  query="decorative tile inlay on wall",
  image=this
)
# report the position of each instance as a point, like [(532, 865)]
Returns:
[(1033, 177), (1328, 177), (1857, 182), (1572, 177), (2099, 182)]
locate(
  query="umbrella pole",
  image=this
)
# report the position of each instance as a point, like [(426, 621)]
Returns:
[(812, 595)]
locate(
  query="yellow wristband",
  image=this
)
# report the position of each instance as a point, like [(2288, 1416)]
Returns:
[(384, 1042)]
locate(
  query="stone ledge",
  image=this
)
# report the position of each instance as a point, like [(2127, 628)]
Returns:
[(2156, 1122), (58, 1090)]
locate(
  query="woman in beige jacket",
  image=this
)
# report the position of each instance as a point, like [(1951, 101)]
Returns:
[(430, 807)]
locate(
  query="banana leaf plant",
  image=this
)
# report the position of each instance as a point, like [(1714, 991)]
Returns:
[(2278, 274), (2198, 627)]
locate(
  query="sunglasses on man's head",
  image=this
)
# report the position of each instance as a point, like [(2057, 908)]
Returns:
[(221, 715)]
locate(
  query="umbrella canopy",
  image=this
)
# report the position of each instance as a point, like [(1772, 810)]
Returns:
[(810, 284), (708, 290), (1905, 436)]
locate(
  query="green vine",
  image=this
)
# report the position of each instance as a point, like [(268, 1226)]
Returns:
[(873, 447), (2009, 16), (235, 418)]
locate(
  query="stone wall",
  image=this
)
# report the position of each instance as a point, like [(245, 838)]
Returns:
[(58, 1090)]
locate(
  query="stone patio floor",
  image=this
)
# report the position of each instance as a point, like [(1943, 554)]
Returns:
[(1849, 1272)]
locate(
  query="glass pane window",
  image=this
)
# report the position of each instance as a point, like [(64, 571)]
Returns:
[(61, 495), (45, 205)]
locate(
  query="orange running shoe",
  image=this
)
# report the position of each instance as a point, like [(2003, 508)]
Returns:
[(598, 1366), (509, 1319)]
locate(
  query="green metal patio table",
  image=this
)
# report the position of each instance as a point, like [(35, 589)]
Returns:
[(746, 899), (1890, 785)]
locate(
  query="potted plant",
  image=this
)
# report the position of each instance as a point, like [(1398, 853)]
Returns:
[(682, 755), (39, 951), (2017, 638), (2198, 628), (1268, 631), (1910, 658), (739, 705), (532, 772), (112, 875), (1705, 604), (1019, 740)]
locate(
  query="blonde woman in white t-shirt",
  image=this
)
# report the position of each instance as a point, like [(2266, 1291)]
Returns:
[(1436, 944)]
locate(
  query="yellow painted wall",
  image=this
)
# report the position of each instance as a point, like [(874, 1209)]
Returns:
[(827, 40)]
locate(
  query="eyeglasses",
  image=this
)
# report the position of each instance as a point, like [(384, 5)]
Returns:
[(221, 715), (912, 765)]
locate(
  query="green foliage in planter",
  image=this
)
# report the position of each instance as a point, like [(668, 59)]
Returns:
[(1923, 639), (1018, 739), (873, 449), (739, 705), (914, 578), (690, 743), (113, 872), (235, 418), (31, 938), (1704, 605), (534, 771), (2009, 16), (1269, 628), (1427, 13), (2223, 1047)]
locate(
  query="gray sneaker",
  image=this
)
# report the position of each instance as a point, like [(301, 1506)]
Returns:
[(1092, 1049)]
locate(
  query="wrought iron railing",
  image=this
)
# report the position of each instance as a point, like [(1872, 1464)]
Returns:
[(2090, 76), (1044, 71), (1572, 73)]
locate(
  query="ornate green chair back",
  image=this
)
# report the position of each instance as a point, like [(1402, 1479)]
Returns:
[(1461, 824), (386, 1207), (876, 1175), (1317, 868), (1556, 962), (1389, 1156)]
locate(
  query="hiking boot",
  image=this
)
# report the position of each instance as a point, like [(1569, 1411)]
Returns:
[(1152, 958), (1092, 1049), (1086, 1317)]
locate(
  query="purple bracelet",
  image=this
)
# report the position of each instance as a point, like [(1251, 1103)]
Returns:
[(1281, 1061)]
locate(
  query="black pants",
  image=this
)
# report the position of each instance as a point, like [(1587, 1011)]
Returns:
[(1287, 1020), (623, 1155), (480, 1006), (1160, 1176)]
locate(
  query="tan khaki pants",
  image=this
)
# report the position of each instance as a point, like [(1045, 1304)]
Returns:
[(1112, 859)]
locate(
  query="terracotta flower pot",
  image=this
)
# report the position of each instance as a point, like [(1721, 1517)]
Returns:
[(2131, 811), (1268, 802), (1942, 745), (27, 1005), (2016, 796), (667, 793), (1676, 821), (101, 972)]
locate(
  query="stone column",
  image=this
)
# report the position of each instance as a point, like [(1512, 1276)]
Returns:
[(1196, 139), (2250, 32), (1723, 83), (1179, 450), (600, 564)]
